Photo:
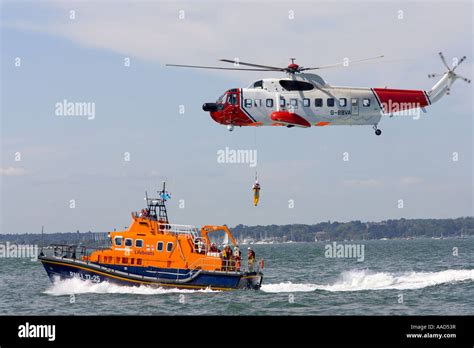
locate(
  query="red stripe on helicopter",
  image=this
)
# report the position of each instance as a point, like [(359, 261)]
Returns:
[(289, 118), (395, 100)]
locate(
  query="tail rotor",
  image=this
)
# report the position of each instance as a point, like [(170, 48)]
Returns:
[(450, 74)]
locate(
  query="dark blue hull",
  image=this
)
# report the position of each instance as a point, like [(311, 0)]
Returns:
[(136, 276)]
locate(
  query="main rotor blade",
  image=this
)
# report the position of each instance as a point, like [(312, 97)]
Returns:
[(339, 64), (215, 67), (444, 60), (463, 78), (254, 65)]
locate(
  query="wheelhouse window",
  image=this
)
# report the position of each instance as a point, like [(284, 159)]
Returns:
[(291, 85), (258, 103), (269, 103), (318, 102), (139, 243), (118, 241), (169, 246), (330, 102), (159, 246), (306, 102), (248, 103), (342, 102), (128, 242), (366, 102)]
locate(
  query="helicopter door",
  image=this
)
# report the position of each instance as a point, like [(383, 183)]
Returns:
[(355, 106)]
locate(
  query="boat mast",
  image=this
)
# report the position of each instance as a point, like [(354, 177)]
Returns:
[(157, 206), (162, 213)]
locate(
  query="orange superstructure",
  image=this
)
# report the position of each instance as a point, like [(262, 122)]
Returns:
[(149, 242)]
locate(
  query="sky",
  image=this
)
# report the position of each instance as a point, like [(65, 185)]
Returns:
[(73, 173)]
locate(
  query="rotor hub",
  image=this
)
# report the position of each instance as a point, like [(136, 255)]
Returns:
[(293, 67)]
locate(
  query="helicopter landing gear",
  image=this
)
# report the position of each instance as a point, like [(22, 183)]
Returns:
[(377, 131), (230, 127)]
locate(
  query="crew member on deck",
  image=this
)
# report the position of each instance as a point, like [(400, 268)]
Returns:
[(224, 258), (237, 257), (251, 259)]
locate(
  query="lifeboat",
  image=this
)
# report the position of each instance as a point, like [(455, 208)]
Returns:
[(156, 253)]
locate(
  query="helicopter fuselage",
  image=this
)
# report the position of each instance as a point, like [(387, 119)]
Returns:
[(307, 100)]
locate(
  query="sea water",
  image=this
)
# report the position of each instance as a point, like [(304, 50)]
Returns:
[(396, 277)]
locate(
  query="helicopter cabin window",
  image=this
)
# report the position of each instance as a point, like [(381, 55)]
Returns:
[(366, 102), (291, 85), (248, 103), (232, 99), (159, 246), (258, 103), (330, 102), (342, 102), (294, 102), (318, 102), (282, 102), (118, 241), (139, 243), (269, 103), (258, 84), (129, 242), (169, 247), (306, 102)]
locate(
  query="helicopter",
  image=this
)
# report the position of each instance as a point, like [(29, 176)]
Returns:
[(305, 99)]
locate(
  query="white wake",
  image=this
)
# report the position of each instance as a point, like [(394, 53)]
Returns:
[(358, 280), (76, 286)]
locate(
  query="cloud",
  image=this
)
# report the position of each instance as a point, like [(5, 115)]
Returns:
[(12, 171), (366, 183), (320, 33), (411, 180)]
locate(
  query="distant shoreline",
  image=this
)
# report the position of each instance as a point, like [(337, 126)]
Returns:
[(270, 234)]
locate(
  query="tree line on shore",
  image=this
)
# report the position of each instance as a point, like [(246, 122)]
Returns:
[(323, 231)]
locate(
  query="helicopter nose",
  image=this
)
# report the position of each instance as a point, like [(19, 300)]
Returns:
[(209, 107)]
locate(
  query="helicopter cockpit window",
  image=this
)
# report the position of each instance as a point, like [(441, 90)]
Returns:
[(232, 99), (258, 84), (291, 85), (221, 99)]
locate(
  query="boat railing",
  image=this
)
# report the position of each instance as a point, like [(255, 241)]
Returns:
[(71, 251), (182, 229), (226, 265)]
